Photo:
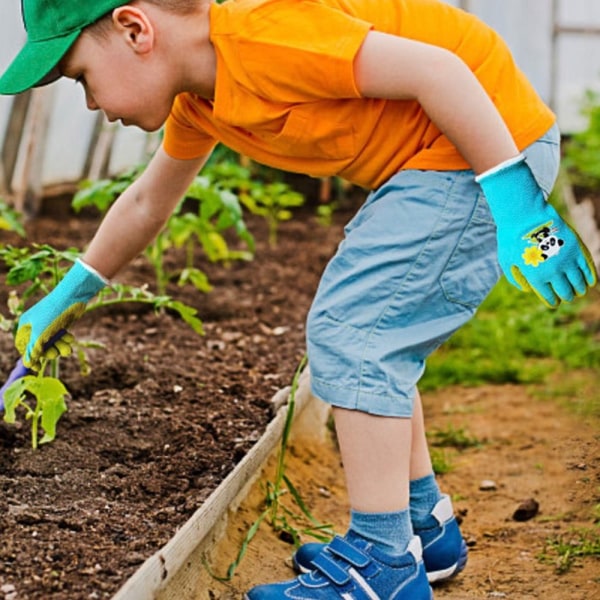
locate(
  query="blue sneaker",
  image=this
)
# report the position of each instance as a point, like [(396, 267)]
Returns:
[(444, 549), (354, 569)]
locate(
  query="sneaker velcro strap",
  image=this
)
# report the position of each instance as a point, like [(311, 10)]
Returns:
[(342, 548), (328, 562), (325, 564)]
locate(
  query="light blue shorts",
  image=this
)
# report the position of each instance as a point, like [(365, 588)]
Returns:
[(416, 261)]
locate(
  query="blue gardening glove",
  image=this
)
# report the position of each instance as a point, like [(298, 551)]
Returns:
[(537, 250), (63, 305)]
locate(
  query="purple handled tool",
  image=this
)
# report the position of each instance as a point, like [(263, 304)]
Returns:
[(21, 370)]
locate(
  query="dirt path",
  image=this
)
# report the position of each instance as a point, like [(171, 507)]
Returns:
[(529, 447)]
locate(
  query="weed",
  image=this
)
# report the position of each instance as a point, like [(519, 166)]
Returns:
[(452, 437), (282, 519), (440, 461), (565, 549)]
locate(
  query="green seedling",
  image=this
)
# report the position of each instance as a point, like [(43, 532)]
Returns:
[(101, 193), (48, 394), (218, 210), (274, 202)]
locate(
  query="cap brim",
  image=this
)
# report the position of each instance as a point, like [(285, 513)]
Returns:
[(36, 64)]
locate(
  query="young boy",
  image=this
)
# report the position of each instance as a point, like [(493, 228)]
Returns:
[(416, 100)]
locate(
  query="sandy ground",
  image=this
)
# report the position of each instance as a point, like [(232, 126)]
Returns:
[(530, 447)]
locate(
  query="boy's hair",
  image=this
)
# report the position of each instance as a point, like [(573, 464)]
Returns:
[(103, 25)]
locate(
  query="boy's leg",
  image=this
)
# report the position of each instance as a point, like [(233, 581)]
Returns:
[(375, 453), (432, 516), (420, 460), (376, 458)]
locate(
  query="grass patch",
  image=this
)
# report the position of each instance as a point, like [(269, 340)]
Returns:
[(564, 550), (514, 338), (440, 461), (453, 437)]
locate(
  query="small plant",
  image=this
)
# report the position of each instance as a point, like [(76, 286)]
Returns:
[(218, 210), (48, 394), (102, 193), (274, 202), (280, 517)]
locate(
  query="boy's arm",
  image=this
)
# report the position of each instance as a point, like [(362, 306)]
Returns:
[(392, 67), (140, 212), (537, 250), (130, 225)]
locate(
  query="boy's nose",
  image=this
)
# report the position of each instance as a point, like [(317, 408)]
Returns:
[(91, 103)]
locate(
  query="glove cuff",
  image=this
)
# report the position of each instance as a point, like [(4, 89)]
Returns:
[(503, 165), (511, 191), (80, 284), (93, 271)]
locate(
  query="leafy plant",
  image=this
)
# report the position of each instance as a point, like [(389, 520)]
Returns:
[(48, 394), (217, 211), (102, 193), (281, 518), (274, 202), (10, 219)]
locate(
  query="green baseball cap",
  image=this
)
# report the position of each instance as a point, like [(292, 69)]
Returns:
[(52, 27)]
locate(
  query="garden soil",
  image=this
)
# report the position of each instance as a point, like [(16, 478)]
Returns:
[(165, 415)]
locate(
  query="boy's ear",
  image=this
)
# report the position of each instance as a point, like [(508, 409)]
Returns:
[(135, 26)]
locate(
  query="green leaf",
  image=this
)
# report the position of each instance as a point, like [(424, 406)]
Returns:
[(197, 278), (13, 397), (188, 314)]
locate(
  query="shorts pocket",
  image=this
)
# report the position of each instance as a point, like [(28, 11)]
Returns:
[(473, 270)]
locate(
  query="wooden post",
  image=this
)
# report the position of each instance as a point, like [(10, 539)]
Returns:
[(12, 139), (99, 149), (27, 177)]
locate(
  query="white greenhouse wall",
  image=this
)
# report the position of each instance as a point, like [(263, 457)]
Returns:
[(546, 37)]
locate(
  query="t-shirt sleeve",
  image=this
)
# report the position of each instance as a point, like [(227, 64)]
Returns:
[(183, 139)]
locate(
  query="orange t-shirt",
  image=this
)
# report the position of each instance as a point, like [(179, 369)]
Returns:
[(286, 96)]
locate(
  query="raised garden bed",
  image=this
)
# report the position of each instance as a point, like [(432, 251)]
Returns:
[(161, 421)]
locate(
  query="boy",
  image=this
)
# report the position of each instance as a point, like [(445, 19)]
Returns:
[(414, 99)]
